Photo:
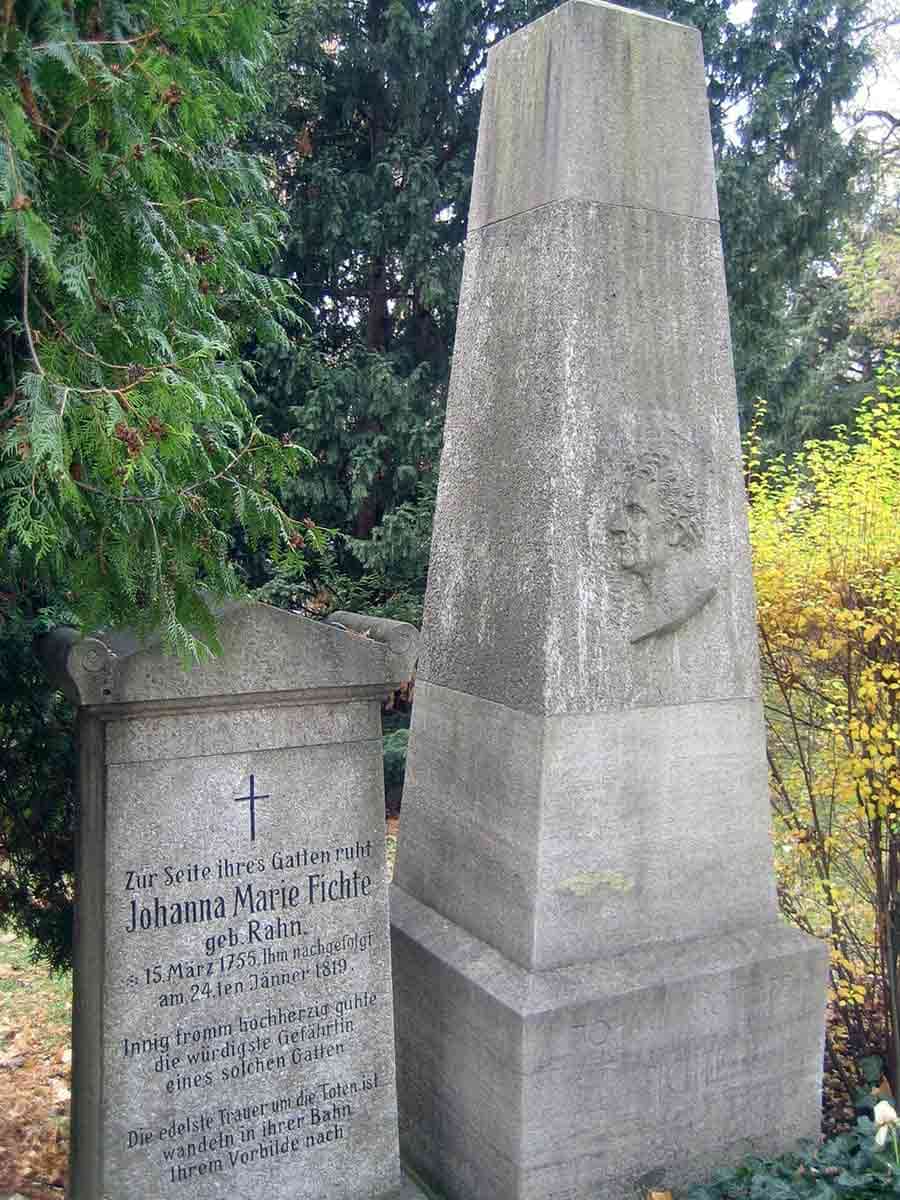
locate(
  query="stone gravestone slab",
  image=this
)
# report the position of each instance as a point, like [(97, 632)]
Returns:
[(592, 984), (233, 1031)]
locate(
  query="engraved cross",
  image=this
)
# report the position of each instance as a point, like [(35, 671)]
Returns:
[(253, 797)]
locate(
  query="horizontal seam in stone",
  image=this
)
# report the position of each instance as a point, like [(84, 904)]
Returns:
[(163, 757), (633, 978), (126, 710), (660, 212), (611, 710)]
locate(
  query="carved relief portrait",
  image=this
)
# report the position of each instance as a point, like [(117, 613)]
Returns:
[(656, 529)]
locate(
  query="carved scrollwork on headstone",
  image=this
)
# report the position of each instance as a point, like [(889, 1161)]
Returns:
[(91, 665)]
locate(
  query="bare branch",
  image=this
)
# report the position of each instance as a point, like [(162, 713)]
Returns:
[(25, 321)]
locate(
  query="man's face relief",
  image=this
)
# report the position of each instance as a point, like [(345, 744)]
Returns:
[(639, 529)]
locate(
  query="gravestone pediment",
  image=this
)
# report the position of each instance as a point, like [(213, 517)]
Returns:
[(264, 649)]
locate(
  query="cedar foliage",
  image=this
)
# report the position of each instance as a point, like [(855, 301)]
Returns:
[(372, 129), (134, 237), (38, 769), (788, 177), (826, 557), (844, 321), (131, 240)]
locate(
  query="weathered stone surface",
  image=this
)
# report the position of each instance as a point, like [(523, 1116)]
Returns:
[(592, 987), (233, 1030), (563, 839), (587, 337), (586, 89), (648, 1068), (152, 738), (262, 653), (400, 639)]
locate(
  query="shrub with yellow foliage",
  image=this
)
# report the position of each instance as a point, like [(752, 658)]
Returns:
[(825, 532)]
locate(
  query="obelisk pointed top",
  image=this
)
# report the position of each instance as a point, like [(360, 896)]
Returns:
[(595, 102)]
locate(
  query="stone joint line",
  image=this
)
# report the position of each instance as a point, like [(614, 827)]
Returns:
[(661, 212)]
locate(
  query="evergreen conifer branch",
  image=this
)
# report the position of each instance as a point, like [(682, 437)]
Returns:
[(134, 237)]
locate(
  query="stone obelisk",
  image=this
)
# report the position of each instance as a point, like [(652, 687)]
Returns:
[(593, 987)]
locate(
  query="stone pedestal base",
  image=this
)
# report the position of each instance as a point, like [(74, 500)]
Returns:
[(588, 1081)]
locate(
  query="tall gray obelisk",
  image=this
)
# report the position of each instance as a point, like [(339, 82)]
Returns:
[(593, 986)]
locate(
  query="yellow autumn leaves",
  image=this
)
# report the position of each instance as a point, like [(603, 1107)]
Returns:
[(825, 534)]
